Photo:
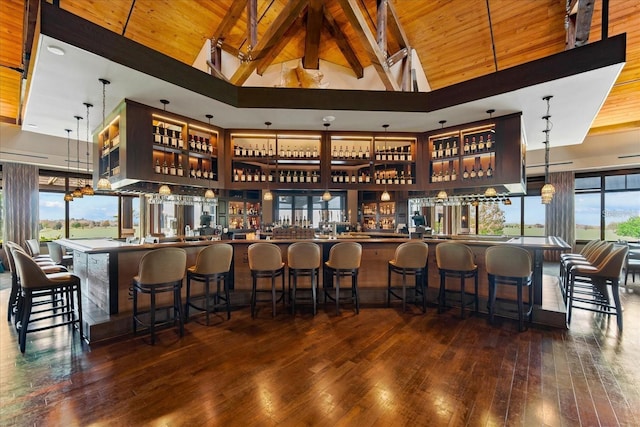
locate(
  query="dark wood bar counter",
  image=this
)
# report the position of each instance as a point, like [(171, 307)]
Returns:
[(107, 267)]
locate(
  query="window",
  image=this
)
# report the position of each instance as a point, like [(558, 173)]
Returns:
[(587, 216), (295, 209), (619, 210), (512, 217), (534, 216), (52, 215), (93, 216)]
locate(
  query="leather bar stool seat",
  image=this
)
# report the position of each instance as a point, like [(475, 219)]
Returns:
[(600, 279), (58, 256), (303, 259), (35, 283), (511, 266), (213, 264), (344, 261), (265, 261), (456, 260), (160, 271), (410, 259)]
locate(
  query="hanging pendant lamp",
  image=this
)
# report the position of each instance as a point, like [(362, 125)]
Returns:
[(209, 194), (548, 190), (103, 182), (77, 193), (268, 195), (68, 196), (326, 196), (385, 197), (87, 190)]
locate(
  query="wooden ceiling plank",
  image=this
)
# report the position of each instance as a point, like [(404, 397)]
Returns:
[(343, 44), (378, 59), (285, 19), (311, 59)]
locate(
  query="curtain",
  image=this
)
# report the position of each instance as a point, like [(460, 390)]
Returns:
[(560, 213), (20, 202)]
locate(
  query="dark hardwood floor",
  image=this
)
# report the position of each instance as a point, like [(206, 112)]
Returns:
[(380, 368)]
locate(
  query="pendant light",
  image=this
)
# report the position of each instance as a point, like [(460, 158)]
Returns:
[(103, 182), (268, 195), (442, 195), (87, 190), (326, 196), (209, 194), (164, 189), (385, 197), (548, 190), (490, 192), (77, 193), (68, 196)]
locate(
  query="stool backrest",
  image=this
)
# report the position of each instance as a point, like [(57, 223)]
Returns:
[(345, 255), (508, 261), (303, 255), (264, 257), (9, 248), (600, 253), (29, 273), (55, 252), (611, 266), (33, 247), (455, 256), (214, 259), (591, 244), (412, 255), (164, 265)]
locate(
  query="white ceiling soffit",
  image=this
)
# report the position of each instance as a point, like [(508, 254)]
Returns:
[(61, 84)]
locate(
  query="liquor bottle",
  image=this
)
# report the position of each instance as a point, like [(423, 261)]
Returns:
[(489, 171), (315, 151), (192, 172), (263, 152), (474, 145), (454, 148), (243, 152), (409, 155), (199, 173), (446, 176), (288, 178), (172, 169), (396, 178), (378, 154), (403, 180), (354, 178), (294, 178), (165, 168), (308, 178), (360, 178), (354, 154), (454, 174), (467, 146), (434, 176), (288, 151), (236, 150), (367, 154), (340, 153), (281, 178), (236, 175), (263, 176), (270, 153), (249, 175), (409, 179), (256, 176), (473, 172), (270, 177), (480, 171), (198, 143), (360, 153), (282, 151), (157, 138), (243, 176), (308, 153), (395, 154), (489, 142), (367, 178), (158, 168), (295, 152), (250, 151), (181, 171), (377, 178), (314, 177), (211, 174), (180, 140), (465, 174), (334, 152)]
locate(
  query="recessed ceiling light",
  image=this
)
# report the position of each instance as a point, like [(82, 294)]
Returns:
[(32, 125), (55, 50), (328, 118)]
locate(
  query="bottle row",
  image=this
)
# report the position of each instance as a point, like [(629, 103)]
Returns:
[(286, 151), (237, 223), (173, 170), (402, 154), (448, 147), (250, 210), (282, 176), (337, 152), (384, 224)]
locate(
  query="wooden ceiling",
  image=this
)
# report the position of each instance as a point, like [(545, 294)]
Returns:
[(453, 38)]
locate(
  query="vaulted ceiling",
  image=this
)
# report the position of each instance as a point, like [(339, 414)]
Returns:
[(456, 40)]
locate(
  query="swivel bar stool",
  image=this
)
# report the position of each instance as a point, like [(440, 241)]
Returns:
[(160, 271), (303, 259), (344, 261), (265, 261), (509, 265), (34, 283), (58, 256), (456, 260), (410, 259), (212, 265)]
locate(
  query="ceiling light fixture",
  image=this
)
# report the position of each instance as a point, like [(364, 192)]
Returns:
[(268, 195), (442, 195), (209, 194), (68, 196), (77, 193), (103, 182), (326, 196), (490, 192), (385, 197), (548, 190), (87, 190), (55, 50), (164, 189)]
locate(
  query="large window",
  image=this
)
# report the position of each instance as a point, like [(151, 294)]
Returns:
[(93, 216), (587, 216), (534, 216), (302, 209)]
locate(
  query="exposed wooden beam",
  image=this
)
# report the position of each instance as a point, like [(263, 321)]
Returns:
[(343, 44), (229, 20), (269, 57), (252, 23), (580, 16), (312, 38), (381, 25), (285, 19), (369, 42), (399, 55), (394, 27)]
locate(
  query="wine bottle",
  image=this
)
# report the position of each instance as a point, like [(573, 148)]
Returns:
[(481, 144), (489, 142), (467, 146), (158, 168), (172, 169), (465, 174), (447, 150), (236, 175), (181, 171), (474, 145), (454, 149)]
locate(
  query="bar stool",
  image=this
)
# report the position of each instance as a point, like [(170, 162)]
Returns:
[(594, 257), (509, 265), (456, 260), (33, 249), (58, 256), (344, 260), (15, 295), (160, 271), (35, 283), (303, 259), (410, 259), (212, 264), (595, 297), (265, 261)]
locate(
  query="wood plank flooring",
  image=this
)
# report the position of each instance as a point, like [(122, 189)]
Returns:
[(379, 368)]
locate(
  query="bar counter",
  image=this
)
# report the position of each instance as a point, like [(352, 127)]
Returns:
[(106, 268)]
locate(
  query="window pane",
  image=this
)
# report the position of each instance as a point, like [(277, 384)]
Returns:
[(589, 183), (622, 215), (512, 217), (633, 181), (300, 209), (316, 215), (588, 213), (615, 182), (93, 216), (534, 215), (491, 218), (51, 215)]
